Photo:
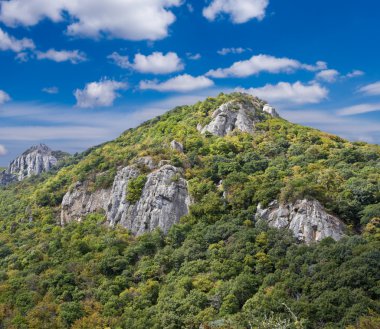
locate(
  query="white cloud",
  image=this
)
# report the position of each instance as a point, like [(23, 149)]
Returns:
[(327, 75), (226, 51), (263, 63), (354, 74), (97, 94), (120, 60), (156, 63), (240, 11), (22, 57), (73, 56), (372, 89), (358, 109), (181, 83), (319, 66), (7, 42), (297, 93), (4, 97), (193, 57), (125, 19), (3, 150), (51, 90)]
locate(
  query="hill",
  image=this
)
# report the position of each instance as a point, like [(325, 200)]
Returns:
[(175, 225)]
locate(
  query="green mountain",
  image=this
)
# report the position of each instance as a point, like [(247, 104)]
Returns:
[(215, 215)]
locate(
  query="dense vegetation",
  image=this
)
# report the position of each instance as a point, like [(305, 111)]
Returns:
[(217, 268)]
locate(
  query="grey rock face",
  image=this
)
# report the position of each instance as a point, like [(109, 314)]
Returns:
[(270, 110), (79, 202), (146, 161), (177, 146), (236, 115), (118, 205), (308, 220), (34, 161), (164, 200), (228, 117)]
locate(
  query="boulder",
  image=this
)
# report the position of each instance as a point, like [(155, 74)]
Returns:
[(270, 110), (177, 146)]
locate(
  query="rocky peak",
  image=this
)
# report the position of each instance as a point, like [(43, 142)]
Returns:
[(240, 114), (40, 148), (308, 220), (34, 161)]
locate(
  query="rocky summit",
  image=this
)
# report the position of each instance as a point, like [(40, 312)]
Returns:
[(238, 115), (34, 161)]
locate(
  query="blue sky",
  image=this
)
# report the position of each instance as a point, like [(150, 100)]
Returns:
[(77, 73)]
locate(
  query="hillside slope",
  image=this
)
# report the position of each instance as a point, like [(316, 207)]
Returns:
[(199, 186)]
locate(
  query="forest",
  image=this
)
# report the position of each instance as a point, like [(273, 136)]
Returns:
[(218, 268)]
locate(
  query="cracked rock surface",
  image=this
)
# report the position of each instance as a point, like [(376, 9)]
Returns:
[(308, 220)]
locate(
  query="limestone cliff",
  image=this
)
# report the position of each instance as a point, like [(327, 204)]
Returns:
[(308, 220), (79, 202), (164, 200)]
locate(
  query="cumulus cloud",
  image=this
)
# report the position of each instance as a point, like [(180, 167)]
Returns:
[(156, 63), (358, 109), (372, 89), (263, 63), (226, 51), (296, 93), (327, 75), (125, 19), (3, 150), (181, 83), (240, 11), (4, 97), (73, 56), (98, 94), (8, 42), (51, 90)]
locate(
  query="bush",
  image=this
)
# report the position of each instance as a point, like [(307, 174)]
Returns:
[(135, 188)]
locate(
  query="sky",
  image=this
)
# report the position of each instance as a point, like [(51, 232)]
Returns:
[(76, 73)]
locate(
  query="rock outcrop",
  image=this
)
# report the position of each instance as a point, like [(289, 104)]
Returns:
[(177, 146), (308, 220), (271, 110), (34, 161), (79, 202), (164, 200), (236, 115), (146, 162), (117, 206)]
